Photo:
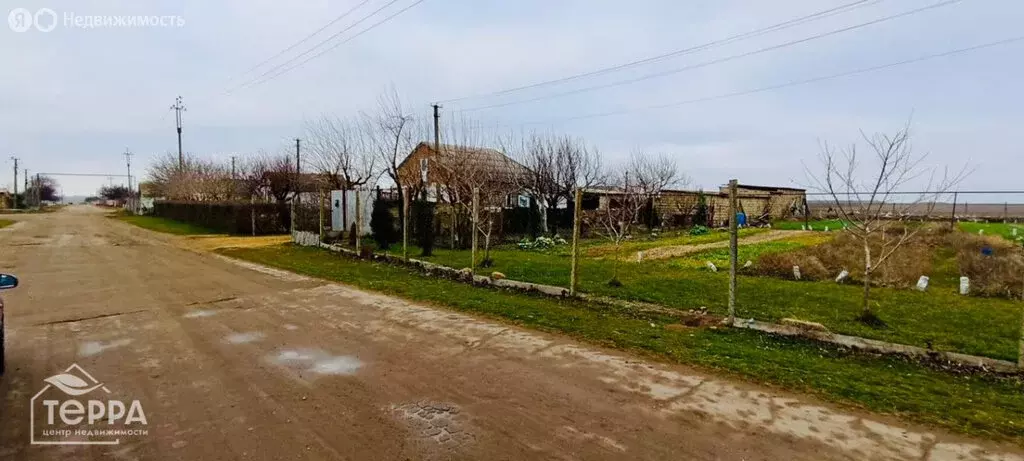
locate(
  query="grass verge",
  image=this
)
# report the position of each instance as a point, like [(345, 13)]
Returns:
[(6, 222), (675, 238), (985, 406), (167, 226), (939, 318)]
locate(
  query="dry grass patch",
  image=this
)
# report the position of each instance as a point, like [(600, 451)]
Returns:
[(822, 262)]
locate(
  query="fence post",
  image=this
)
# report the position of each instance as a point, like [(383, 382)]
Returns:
[(733, 249), (252, 214), (1020, 353), (320, 208), (952, 215), (359, 224), (405, 223), (476, 217), (807, 214), (577, 217), (291, 225)]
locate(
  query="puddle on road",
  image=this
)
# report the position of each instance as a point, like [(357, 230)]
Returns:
[(199, 313), (291, 327), (317, 361), (243, 338), (91, 348)]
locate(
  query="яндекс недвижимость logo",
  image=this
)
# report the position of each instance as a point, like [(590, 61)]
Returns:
[(76, 409)]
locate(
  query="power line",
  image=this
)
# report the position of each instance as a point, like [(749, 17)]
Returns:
[(336, 45), (260, 78), (305, 39), (715, 61), (724, 41), (791, 83)]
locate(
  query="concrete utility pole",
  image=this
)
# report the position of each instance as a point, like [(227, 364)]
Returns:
[(298, 171), (128, 159), (577, 218), (437, 129), (179, 107), (25, 199), (733, 248), (15, 205), (39, 191), (233, 157)]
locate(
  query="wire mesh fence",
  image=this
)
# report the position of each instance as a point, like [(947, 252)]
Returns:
[(764, 257)]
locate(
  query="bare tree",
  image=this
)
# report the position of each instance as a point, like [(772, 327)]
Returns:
[(652, 175), (869, 207), (197, 179), (625, 198), (556, 166), (341, 154), (464, 165), (390, 135)]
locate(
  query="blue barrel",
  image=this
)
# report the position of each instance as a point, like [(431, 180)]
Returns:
[(741, 219)]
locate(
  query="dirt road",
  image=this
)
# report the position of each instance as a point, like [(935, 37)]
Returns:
[(235, 362)]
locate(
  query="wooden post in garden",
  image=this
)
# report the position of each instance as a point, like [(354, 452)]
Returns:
[(1020, 353), (952, 216), (252, 213), (577, 217), (733, 249), (359, 224), (405, 223), (291, 225), (476, 217), (807, 214), (320, 205)]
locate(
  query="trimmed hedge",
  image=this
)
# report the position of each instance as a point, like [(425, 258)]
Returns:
[(228, 217)]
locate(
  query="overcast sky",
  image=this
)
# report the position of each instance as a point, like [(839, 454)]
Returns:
[(73, 99)]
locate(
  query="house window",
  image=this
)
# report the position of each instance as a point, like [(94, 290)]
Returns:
[(524, 201), (424, 167)]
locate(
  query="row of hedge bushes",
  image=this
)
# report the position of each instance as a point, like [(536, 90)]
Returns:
[(229, 217)]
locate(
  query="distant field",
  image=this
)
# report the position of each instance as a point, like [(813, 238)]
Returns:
[(1006, 230), (819, 225)]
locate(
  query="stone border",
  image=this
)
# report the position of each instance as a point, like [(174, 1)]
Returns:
[(793, 329)]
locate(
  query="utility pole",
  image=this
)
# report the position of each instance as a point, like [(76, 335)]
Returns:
[(25, 199), (437, 129), (298, 171), (437, 151), (15, 205), (128, 159), (131, 193), (233, 157), (179, 107), (39, 191)]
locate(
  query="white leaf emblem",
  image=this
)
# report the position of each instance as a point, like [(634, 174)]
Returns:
[(71, 384)]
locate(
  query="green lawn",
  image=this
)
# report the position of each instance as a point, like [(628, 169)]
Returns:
[(6, 222), (596, 247), (993, 228), (720, 256), (818, 225), (168, 226), (977, 405), (940, 317)]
